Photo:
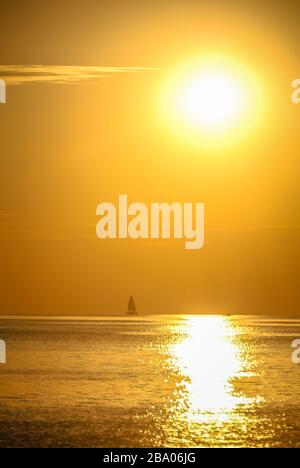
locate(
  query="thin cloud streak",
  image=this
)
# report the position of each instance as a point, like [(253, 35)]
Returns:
[(9, 229), (61, 74)]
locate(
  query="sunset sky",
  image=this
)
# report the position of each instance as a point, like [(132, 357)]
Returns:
[(86, 119)]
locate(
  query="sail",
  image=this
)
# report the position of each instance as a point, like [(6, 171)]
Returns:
[(131, 305)]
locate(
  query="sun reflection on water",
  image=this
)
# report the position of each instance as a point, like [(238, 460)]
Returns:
[(209, 360)]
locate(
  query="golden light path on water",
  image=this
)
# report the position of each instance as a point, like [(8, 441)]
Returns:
[(209, 360)]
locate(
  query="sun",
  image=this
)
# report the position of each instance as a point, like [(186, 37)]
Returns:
[(213, 101), (210, 99)]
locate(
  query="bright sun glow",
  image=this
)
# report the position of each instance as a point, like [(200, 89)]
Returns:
[(212, 101)]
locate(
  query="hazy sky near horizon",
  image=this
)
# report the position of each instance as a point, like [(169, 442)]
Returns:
[(82, 125)]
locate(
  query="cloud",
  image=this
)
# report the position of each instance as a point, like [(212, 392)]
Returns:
[(272, 227), (61, 74)]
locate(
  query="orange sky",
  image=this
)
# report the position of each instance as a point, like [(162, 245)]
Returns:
[(88, 128)]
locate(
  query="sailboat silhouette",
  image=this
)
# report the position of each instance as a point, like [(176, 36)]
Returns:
[(131, 309)]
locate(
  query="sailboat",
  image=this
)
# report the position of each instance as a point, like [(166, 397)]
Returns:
[(131, 309)]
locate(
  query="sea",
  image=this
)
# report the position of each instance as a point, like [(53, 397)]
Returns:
[(150, 381)]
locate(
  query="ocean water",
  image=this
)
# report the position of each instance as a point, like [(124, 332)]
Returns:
[(169, 381)]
